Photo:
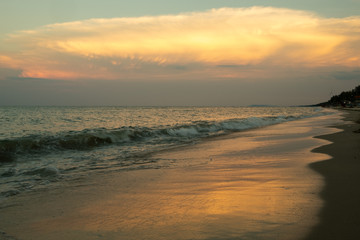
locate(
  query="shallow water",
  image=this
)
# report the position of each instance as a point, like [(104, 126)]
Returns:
[(43, 145), (245, 185)]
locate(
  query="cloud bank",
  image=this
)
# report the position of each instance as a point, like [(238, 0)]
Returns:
[(219, 43)]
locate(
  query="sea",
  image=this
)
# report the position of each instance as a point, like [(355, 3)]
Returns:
[(43, 146)]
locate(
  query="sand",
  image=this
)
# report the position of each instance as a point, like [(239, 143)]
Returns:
[(250, 185), (340, 215)]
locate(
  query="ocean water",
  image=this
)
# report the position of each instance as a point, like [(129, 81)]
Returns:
[(41, 146)]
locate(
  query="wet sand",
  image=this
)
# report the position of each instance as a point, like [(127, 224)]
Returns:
[(340, 216), (249, 185)]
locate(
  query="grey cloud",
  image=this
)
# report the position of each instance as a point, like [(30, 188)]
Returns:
[(350, 75)]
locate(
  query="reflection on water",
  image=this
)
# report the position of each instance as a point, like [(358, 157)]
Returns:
[(253, 186)]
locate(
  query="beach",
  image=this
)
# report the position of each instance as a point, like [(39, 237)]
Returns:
[(254, 184), (340, 215), (179, 120)]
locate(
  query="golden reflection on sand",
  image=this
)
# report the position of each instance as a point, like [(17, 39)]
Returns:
[(252, 185), (238, 187)]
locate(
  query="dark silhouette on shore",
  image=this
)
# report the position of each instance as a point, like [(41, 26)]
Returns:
[(345, 99)]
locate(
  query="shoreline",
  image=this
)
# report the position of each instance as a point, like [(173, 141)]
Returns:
[(251, 185), (340, 215)]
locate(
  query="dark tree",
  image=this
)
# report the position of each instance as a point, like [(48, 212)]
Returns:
[(344, 97)]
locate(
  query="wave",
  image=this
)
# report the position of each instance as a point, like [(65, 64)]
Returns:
[(92, 138)]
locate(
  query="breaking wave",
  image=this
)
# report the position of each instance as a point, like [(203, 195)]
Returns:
[(93, 138)]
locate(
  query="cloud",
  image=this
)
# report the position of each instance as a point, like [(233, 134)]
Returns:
[(347, 75), (6, 73), (184, 46)]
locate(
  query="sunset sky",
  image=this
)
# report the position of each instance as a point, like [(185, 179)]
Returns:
[(199, 52)]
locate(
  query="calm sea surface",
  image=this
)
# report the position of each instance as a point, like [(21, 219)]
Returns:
[(43, 145)]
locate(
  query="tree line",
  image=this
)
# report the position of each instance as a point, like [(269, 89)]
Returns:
[(346, 98)]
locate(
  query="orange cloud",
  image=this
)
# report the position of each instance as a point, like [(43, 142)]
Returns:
[(124, 48)]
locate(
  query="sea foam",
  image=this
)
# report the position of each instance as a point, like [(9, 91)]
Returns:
[(39, 146), (88, 139)]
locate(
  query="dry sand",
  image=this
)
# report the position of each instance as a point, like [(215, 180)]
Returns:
[(340, 216), (250, 185)]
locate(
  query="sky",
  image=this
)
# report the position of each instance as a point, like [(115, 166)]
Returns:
[(177, 53)]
